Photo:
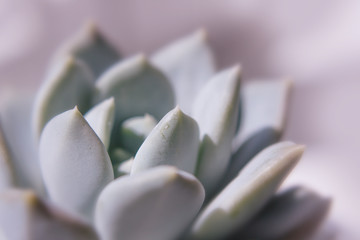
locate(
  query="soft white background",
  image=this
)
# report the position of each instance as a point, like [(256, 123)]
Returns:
[(316, 42)]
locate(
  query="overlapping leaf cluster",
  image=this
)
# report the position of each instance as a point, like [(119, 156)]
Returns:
[(165, 147)]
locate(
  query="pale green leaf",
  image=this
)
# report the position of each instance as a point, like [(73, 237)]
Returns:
[(216, 111), (74, 163), (242, 199), (119, 155), (124, 168), (90, 46), (121, 161), (248, 149), (134, 130), (157, 204), (25, 217), (101, 120), (263, 108), (15, 113), (174, 141), (293, 214), (68, 85), (188, 63), (264, 105), (137, 88)]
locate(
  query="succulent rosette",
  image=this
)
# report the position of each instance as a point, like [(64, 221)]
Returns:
[(160, 147)]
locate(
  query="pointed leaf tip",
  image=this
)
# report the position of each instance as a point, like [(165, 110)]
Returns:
[(173, 141), (74, 163), (67, 85), (101, 119), (90, 46), (216, 111), (248, 192), (188, 63), (252, 146)]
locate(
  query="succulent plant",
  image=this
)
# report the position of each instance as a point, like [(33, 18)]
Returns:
[(161, 147)]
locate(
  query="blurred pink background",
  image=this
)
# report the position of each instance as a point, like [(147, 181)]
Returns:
[(315, 42)]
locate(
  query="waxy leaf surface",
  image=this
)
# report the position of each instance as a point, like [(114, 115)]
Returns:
[(101, 120), (23, 216), (137, 88), (242, 199), (157, 204), (90, 46), (68, 85), (74, 163), (292, 214), (216, 111), (174, 141), (189, 63)]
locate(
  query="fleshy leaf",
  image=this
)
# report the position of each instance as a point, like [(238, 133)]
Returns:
[(292, 214), (7, 178), (101, 120), (137, 88), (124, 168), (264, 104), (248, 192), (252, 146), (118, 155), (74, 163), (174, 141), (15, 114), (188, 63), (67, 86), (263, 110), (157, 204), (24, 216), (91, 47), (216, 111), (121, 159), (134, 130)]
